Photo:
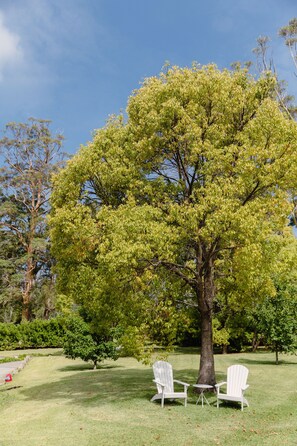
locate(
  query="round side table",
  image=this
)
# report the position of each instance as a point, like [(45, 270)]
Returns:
[(203, 388)]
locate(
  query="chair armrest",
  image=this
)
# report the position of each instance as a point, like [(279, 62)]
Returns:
[(217, 386), (182, 383), (158, 382), (245, 387)]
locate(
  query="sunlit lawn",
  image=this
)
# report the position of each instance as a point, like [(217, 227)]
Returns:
[(55, 401)]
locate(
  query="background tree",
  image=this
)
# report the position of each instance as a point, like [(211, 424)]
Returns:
[(81, 342), (275, 317), (31, 155), (266, 63), (241, 291), (198, 174), (11, 261), (276, 320), (289, 34)]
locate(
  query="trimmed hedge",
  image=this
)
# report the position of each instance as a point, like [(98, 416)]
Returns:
[(36, 334)]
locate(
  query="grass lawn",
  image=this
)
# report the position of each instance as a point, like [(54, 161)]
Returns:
[(55, 401)]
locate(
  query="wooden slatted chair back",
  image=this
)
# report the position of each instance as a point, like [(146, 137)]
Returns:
[(236, 379), (163, 373)]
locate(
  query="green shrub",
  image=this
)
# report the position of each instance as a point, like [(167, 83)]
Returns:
[(80, 342), (36, 334), (9, 336)]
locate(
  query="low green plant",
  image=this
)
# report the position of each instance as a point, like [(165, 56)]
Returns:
[(36, 334), (12, 359), (81, 342)]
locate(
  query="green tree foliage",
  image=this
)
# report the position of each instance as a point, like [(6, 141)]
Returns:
[(289, 34), (221, 335), (11, 261), (31, 154), (239, 299), (35, 334), (276, 320), (152, 212), (81, 342)]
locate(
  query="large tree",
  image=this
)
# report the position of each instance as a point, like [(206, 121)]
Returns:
[(11, 261), (197, 174), (31, 154), (276, 320)]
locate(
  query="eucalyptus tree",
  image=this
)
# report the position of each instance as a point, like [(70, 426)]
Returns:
[(154, 209), (31, 154), (11, 261), (289, 34), (267, 63)]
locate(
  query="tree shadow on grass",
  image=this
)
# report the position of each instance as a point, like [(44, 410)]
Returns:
[(98, 387), (185, 350), (88, 366), (259, 361), (10, 388)]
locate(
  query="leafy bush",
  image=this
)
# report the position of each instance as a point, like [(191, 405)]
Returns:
[(80, 342), (35, 334), (276, 319), (42, 333), (9, 336)]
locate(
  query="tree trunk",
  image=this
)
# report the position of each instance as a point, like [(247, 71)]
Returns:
[(256, 341), (205, 295), (225, 349), (48, 303), (276, 357), (206, 370), (28, 285)]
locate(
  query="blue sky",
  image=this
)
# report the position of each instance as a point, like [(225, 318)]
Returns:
[(77, 61)]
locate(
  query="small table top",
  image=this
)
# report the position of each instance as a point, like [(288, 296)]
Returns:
[(203, 386)]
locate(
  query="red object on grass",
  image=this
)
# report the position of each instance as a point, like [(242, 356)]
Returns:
[(8, 378)]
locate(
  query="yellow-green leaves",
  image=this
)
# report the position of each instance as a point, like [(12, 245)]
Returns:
[(192, 186)]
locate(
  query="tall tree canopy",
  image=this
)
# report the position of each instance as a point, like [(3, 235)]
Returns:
[(31, 154), (153, 211)]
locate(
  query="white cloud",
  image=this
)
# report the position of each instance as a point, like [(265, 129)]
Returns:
[(38, 41), (10, 50), (47, 50), (55, 29), (48, 37)]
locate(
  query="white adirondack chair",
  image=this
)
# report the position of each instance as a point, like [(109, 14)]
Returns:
[(236, 385), (165, 383)]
